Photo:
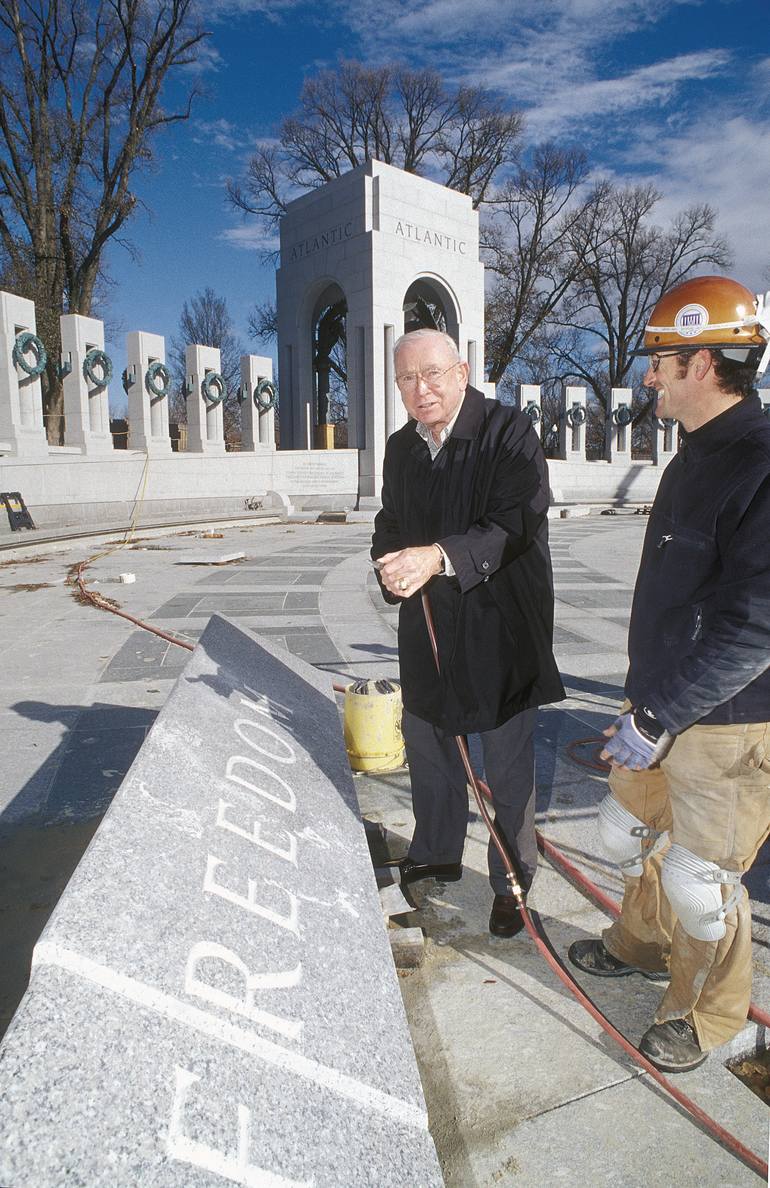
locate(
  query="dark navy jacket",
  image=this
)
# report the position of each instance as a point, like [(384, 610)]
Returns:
[(699, 640), (485, 501)]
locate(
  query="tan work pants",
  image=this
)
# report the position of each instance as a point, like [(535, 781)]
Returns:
[(712, 793)]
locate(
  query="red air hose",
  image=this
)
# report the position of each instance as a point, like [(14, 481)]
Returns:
[(482, 792), (107, 604)]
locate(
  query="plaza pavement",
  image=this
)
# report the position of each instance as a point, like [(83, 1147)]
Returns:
[(522, 1087)]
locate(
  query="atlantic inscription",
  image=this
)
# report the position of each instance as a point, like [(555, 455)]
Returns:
[(434, 238), (330, 237)]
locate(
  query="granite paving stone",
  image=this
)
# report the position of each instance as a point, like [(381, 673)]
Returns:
[(300, 600), (601, 600), (313, 648), (90, 770)]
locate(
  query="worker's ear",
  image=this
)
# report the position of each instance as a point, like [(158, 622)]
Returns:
[(703, 364)]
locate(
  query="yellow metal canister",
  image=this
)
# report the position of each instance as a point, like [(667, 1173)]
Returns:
[(372, 722)]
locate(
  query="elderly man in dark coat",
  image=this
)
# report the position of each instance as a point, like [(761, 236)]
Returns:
[(464, 512)]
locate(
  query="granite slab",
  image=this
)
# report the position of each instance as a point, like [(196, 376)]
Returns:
[(214, 558), (214, 996)]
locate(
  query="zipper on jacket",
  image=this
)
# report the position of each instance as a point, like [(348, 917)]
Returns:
[(698, 623), (664, 541)]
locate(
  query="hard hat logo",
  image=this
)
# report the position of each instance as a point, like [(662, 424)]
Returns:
[(691, 320)]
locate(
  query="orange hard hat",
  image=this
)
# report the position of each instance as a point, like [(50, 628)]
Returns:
[(709, 311)]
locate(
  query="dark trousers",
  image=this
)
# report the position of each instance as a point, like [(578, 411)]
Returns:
[(440, 796)]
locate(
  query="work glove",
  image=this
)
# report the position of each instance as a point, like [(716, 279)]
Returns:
[(639, 741)]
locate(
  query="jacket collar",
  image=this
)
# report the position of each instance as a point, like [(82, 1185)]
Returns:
[(735, 422), (471, 415)]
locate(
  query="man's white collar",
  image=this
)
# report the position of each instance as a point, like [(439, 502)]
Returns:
[(446, 432)]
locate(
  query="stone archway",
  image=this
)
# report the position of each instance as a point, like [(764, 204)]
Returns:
[(370, 237), (330, 369), (428, 305)]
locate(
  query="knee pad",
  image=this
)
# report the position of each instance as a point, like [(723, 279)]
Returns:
[(693, 886), (622, 835)]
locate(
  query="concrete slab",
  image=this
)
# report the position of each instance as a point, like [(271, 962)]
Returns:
[(201, 558)]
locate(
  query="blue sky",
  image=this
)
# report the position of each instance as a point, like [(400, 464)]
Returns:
[(674, 92)]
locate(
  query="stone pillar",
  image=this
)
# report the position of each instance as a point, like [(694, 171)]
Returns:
[(665, 440), (473, 364), (86, 403), (389, 381), (147, 412), (205, 425), (528, 400), (357, 403), (22, 429), (257, 424), (617, 441), (572, 425)]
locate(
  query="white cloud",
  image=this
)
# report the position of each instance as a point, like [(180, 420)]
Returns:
[(207, 58), (721, 159), (562, 112), (761, 72), (221, 10), (221, 133), (475, 37), (251, 237), (561, 61)]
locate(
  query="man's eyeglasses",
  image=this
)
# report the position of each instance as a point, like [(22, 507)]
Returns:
[(654, 360), (431, 376)]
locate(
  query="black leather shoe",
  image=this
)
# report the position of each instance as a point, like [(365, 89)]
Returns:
[(505, 919), (592, 957), (412, 872), (672, 1047)]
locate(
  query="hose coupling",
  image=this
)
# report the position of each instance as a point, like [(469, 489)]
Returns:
[(516, 890)]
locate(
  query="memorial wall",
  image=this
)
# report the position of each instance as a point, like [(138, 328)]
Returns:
[(369, 255)]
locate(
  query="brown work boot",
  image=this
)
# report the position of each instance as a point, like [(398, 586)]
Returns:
[(593, 957), (672, 1046)]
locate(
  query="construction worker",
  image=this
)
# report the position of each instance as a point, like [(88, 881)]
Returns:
[(689, 801)]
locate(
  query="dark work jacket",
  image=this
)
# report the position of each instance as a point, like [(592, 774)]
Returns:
[(699, 640), (484, 500)]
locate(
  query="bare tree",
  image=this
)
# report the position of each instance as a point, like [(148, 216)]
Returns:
[(528, 242), (205, 320), (400, 116), (627, 262), (81, 83), (476, 142), (263, 322)]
